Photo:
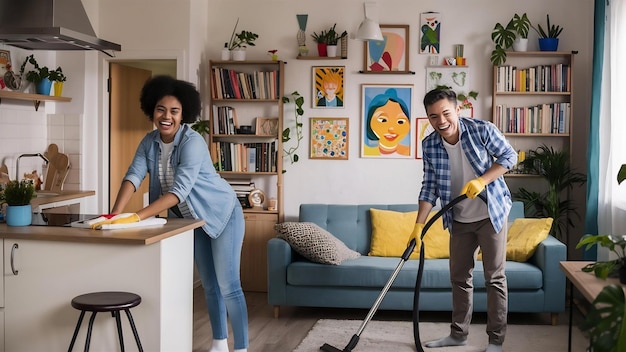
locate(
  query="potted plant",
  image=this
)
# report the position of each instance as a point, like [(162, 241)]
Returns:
[(240, 41), (515, 35), (332, 39), (548, 40), (611, 268), (605, 320), (320, 39), (17, 195), (39, 75), (58, 77), (554, 167)]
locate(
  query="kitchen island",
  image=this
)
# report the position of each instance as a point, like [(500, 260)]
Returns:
[(46, 266)]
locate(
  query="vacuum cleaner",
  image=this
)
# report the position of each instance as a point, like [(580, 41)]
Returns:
[(418, 282)]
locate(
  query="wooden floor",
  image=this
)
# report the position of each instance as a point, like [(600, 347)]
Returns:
[(267, 334)]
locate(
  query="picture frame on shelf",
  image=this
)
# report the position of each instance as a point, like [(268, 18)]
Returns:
[(390, 55), (329, 138), (256, 198), (5, 59), (328, 87), (266, 126), (422, 129), (390, 100)]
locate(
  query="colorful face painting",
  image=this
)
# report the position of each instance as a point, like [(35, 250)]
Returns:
[(328, 87)]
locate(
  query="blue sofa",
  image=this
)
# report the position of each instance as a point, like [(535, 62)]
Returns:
[(537, 285)]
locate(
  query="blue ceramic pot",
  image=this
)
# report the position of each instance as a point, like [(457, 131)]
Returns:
[(43, 87), (548, 44), (19, 215)]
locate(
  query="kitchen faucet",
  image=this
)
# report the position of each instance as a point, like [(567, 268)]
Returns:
[(17, 164)]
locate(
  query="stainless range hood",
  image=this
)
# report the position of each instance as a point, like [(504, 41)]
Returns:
[(49, 25)]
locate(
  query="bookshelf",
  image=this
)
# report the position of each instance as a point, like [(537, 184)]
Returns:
[(532, 101), (246, 117)]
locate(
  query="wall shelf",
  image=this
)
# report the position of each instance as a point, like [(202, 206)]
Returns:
[(35, 98), (320, 58)]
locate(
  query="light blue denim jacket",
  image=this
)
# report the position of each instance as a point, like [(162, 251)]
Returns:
[(208, 195), (483, 145)]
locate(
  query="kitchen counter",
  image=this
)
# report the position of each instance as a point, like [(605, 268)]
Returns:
[(46, 197), (137, 236), (46, 266)]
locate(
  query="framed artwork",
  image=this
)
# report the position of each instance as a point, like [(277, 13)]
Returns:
[(430, 32), (5, 58), (266, 126), (329, 138), (328, 87), (386, 121), (390, 55), (422, 129), (455, 78)]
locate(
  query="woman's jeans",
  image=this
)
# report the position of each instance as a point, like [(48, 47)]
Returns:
[(218, 262)]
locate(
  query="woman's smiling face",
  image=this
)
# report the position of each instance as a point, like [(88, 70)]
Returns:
[(168, 113), (390, 124)]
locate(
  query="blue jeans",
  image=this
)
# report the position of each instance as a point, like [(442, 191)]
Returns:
[(218, 262)]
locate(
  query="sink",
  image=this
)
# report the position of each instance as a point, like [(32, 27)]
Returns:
[(46, 194)]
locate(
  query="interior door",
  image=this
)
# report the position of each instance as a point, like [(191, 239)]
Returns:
[(128, 125)]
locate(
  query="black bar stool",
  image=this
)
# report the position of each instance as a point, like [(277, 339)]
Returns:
[(106, 302)]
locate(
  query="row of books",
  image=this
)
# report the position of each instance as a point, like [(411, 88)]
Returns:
[(230, 84), (540, 78), (246, 157), (225, 120), (542, 118), (242, 188)]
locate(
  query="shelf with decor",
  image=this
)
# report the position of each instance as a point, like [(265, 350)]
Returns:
[(320, 58), (532, 100), (35, 98), (245, 139)]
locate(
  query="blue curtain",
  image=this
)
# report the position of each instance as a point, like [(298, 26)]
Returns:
[(591, 213)]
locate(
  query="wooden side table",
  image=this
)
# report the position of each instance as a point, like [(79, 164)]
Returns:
[(587, 283)]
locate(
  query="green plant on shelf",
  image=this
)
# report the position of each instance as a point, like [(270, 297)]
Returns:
[(286, 136)]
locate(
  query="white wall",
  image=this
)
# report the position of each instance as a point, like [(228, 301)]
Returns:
[(194, 31)]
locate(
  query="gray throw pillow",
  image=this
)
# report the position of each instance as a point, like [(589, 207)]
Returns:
[(314, 243)]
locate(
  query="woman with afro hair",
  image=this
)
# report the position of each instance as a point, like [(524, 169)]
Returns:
[(184, 181)]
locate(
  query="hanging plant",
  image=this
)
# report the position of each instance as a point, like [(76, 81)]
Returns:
[(299, 111)]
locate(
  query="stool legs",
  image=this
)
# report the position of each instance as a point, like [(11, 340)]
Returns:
[(118, 323)]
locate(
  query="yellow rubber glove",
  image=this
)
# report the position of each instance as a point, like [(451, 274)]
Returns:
[(417, 235), (124, 218), (474, 187), (127, 219)]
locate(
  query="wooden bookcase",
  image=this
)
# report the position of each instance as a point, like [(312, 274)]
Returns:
[(532, 101), (256, 91)]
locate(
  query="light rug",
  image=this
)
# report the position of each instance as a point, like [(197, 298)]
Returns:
[(397, 336)]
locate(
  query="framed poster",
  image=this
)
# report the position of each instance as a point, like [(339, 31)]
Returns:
[(266, 126), (430, 32), (329, 138), (386, 121), (455, 78), (328, 87), (390, 55), (422, 129), (5, 59)]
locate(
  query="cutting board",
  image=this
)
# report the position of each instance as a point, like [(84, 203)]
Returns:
[(58, 167), (152, 221)]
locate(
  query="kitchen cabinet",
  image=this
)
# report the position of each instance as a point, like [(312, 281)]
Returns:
[(52, 268), (35, 98)]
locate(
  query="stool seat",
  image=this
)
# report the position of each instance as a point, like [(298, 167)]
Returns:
[(106, 301), (112, 302)]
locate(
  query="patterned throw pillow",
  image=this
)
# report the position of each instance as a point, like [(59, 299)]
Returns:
[(314, 243)]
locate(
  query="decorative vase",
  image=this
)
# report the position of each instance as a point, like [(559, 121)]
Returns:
[(58, 89), (331, 50), (239, 54), (548, 44), (43, 87), (321, 49), (19, 215), (520, 44), (225, 54)]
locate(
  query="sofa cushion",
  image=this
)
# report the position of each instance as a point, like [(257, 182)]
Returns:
[(391, 231), (314, 243), (524, 236), (368, 271)]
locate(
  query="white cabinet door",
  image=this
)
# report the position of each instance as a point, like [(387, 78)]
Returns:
[(38, 314)]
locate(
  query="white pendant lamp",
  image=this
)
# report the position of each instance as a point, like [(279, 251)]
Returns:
[(369, 29)]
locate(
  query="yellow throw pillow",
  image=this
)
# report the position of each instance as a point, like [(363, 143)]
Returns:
[(524, 236), (391, 231)]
